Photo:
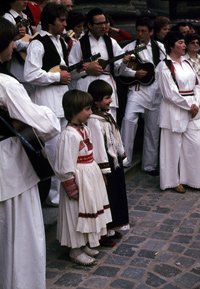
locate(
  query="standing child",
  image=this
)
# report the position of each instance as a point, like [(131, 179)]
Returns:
[(84, 209), (108, 153)]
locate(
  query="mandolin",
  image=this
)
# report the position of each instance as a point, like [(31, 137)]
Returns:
[(103, 63), (59, 68), (136, 64)]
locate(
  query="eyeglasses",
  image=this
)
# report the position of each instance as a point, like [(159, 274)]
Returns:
[(101, 23), (194, 42)]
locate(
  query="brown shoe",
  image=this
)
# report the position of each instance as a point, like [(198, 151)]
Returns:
[(180, 189)]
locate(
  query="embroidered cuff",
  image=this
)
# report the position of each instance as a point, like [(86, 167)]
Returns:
[(70, 187), (104, 165)]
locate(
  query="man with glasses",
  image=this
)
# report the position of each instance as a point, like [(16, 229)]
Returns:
[(96, 41)]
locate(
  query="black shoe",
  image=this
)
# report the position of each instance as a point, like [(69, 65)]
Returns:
[(153, 173)]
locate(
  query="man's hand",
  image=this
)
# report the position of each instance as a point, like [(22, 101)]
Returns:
[(93, 68), (65, 76), (140, 74), (127, 58), (21, 33)]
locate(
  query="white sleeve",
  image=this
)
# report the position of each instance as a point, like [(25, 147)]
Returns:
[(33, 72)]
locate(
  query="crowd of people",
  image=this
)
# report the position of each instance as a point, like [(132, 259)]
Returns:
[(60, 75)]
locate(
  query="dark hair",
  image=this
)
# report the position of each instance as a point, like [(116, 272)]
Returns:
[(92, 13), (190, 37), (5, 6), (7, 33), (99, 88), (171, 38), (160, 22), (109, 19), (74, 18), (50, 12), (74, 101), (178, 25), (144, 21)]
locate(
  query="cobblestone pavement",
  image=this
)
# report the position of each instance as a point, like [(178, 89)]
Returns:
[(161, 250)]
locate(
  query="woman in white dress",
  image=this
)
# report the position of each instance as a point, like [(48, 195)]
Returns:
[(22, 238), (179, 118)]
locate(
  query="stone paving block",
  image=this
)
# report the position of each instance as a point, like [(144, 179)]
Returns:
[(154, 245), (50, 275), (195, 215), (178, 216), (165, 257), (161, 236), (142, 286), (133, 273), (185, 230), (156, 216), (138, 214), (147, 254), (161, 210), (141, 231), (125, 250), (176, 248), (183, 239), (150, 203), (189, 223), (140, 262), (169, 286), (184, 262), (140, 191), (196, 271), (166, 270), (187, 280), (135, 240), (172, 222), (167, 228), (195, 245), (154, 281), (106, 271), (142, 208), (123, 284), (114, 259), (193, 253), (148, 224), (70, 279), (57, 265), (96, 282)]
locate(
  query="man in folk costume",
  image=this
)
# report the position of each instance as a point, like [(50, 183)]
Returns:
[(143, 99), (45, 51), (96, 41)]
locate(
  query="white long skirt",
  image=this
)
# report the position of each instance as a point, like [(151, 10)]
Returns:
[(22, 242), (179, 159), (84, 221)]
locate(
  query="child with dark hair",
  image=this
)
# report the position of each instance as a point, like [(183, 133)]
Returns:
[(84, 209), (108, 153)]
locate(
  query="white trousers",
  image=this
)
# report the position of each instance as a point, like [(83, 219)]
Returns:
[(50, 148), (179, 158), (151, 134)]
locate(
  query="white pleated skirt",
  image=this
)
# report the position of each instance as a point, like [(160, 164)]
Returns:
[(22, 242), (84, 221)]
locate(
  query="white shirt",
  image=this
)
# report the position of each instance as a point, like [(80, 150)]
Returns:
[(175, 108), (16, 173), (44, 93), (97, 46)]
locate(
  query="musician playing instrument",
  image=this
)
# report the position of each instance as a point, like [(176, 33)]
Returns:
[(22, 236), (143, 100), (46, 50), (95, 41), (16, 16)]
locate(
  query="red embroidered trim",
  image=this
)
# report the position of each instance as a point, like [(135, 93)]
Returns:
[(70, 187), (94, 215), (104, 165), (85, 159), (81, 146)]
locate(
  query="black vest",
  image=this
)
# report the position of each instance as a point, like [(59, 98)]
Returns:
[(86, 49), (51, 56), (155, 51)]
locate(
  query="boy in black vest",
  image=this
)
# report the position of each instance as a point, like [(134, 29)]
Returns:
[(96, 41), (143, 98), (45, 51)]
